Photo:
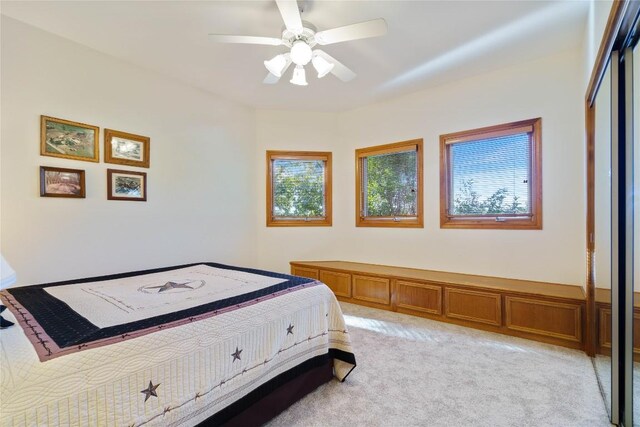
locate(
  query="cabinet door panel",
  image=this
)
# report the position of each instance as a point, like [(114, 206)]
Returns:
[(419, 296), (547, 318), (339, 283), (474, 306), (311, 273), (372, 289)]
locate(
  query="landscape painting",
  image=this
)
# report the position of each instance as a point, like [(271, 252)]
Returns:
[(126, 148), (126, 185), (69, 140), (60, 182)]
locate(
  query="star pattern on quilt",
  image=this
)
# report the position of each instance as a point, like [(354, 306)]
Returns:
[(236, 355), (150, 391), (171, 285), (290, 329)]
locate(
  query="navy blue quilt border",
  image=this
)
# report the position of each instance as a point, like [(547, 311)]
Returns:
[(68, 328)]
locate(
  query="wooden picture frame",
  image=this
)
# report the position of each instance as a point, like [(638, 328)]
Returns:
[(69, 140), (126, 185), (62, 182), (124, 148)]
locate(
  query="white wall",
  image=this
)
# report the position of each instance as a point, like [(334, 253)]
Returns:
[(594, 30), (201, 183), (550, 88), (302, 131)]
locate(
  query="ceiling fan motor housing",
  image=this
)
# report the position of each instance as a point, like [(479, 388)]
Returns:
[(307, 35)]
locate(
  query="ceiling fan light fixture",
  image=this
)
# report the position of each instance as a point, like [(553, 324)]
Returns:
[(301, 53), (299, 76), (276, 65), (322, 66)]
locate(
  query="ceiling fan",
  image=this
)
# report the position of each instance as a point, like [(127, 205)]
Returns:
[(301, 37)]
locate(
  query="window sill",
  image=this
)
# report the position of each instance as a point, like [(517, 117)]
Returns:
[(533, 223), (298, 223), (390, 223)]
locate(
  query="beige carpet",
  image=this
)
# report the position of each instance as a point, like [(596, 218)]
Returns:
[(417, 372), (602, 365)]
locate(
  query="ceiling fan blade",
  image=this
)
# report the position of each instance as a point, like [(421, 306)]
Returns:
[(222, 38), (339, 69), (271, 79), (363, 30), (290, 15)]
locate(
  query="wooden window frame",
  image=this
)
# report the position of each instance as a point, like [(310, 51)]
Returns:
[(300, 155), (505, 222), (413, 222)]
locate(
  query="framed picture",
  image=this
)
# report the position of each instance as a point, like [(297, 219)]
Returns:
[(60, 182), (126, 185), (126, 148), (69, 140)]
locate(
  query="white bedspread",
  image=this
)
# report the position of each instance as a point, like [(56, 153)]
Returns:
[(198, 368), (114, 302)]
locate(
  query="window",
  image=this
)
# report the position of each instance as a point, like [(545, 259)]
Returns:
[(389, 185), (491, 177), (298, 188)]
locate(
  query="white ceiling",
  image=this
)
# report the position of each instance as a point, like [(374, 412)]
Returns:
[(428, 43)]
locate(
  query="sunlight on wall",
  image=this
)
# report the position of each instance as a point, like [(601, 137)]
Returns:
[(518, 29)]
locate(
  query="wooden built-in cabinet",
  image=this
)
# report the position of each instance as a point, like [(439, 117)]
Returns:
[(547, 312), (603, 319)]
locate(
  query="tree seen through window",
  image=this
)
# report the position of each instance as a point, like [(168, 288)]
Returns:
[(298, 188), (491, 176), (390, 184)]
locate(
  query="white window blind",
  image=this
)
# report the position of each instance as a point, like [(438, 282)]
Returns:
[(298, 188), (390, 183), (491, 176)]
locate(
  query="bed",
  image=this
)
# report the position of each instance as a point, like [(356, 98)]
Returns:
[(173, 346)]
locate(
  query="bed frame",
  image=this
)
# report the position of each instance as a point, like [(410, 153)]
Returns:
[(275, 396)]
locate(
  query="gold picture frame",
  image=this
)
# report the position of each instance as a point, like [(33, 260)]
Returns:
[(124, 148), (69, 140)]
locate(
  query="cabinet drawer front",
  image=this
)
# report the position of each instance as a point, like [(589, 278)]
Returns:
[(474, 306), (311, 273), (419, 296), (549, 318), (339, 283), (372, 289)]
